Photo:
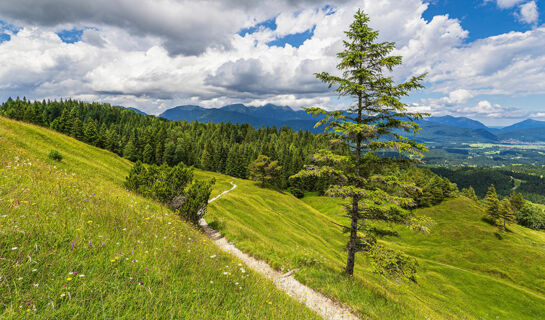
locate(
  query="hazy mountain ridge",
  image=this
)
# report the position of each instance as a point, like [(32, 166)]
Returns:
[(443, 129)]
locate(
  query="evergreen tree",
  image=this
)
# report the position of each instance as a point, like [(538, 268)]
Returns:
[(506, 214), (170, 153), (77, 129), (264, 170), (129, 152), (375, 121), (91, 132), (517, 201), (147, 155), (470, 193), (492, 204)]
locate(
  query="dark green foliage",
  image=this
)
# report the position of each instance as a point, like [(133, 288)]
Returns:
[(172, 186), (506, 214), (470, 193), (492, 204), (532, 181), (224, 148), (55, 155), (297, 192), (517, 201), (264, 170), (531, 216), (194, 206), (374, 122)]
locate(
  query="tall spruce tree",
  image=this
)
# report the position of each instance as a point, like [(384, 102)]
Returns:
[(506, 214), (492, 204), (377, 120)]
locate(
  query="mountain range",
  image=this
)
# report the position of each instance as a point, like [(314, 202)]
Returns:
[(444, 129)]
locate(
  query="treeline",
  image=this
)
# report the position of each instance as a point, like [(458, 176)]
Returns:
[(225, 148), (532, 186)]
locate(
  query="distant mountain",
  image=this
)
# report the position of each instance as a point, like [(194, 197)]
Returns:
[(444, 134), (461, 122), (268, 115), (137, 111), (526, 124), (440, 130)]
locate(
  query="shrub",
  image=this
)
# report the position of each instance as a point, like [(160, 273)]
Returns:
[(531, 216), (172, 186), (298, 193), (55, 155)]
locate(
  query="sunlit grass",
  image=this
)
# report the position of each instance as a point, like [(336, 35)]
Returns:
[(465, 270), (74, 244)]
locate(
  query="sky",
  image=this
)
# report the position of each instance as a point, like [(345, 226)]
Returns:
[(485, 59)]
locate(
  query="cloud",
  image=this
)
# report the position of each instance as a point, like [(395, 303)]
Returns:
[(185, 27), (506, 4), (163, 53), (528, 13)]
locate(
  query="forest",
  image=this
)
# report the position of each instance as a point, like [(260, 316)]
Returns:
[(506, 180), (225, 148)]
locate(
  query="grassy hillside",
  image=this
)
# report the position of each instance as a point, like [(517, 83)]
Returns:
[(74, 244), (465, 270)]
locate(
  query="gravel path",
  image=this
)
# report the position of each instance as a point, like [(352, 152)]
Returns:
[(315, 301)]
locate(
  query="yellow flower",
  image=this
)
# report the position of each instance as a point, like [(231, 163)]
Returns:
[(90, 221), (68, 279), (113, 260)]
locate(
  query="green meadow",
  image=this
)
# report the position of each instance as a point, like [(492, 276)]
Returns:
[(74, 244), (465, 270)]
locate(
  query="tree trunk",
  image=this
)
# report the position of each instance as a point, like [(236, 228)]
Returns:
[(352, 248)]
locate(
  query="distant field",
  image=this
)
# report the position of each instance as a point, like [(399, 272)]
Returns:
[(74, 244)]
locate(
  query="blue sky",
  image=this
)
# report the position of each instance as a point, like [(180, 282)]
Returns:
[(484, 58)]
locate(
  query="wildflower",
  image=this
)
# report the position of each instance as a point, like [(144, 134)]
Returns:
[(90, 243), (62, 295), (242, 270), (34, 270), (81, 275), (14, 248), (28, 303), (68, 279), (90, 221), (211, 281), (212, 256), (36, 285), (94, 194), (140, 282), (72, 244), (146, 268)]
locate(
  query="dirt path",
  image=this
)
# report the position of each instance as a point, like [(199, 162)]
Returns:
[(313, 300)]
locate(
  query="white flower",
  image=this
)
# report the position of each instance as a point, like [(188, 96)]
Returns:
[(34, 270), (242, 270), (14, 248), (36, 285), (62, 295), (81, 275), (211, 281), (212, 256)]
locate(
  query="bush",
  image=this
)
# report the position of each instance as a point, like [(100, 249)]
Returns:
[(172, 186), (55, 155), (298, 193), (531, 216)]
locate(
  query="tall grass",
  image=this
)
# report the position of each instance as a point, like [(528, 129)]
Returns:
[(74, 244)]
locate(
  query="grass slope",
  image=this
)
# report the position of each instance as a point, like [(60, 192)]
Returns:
[(465, 271), (74, 244)]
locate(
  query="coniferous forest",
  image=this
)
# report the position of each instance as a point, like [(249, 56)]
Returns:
[(224, 148)]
